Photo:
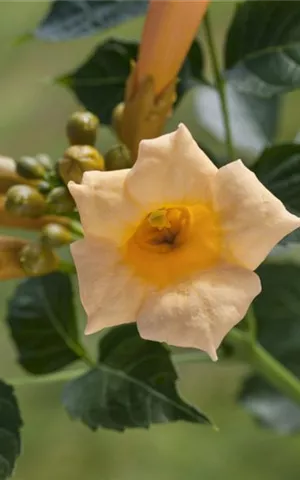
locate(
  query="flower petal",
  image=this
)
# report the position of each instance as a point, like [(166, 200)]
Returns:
[(171, 168), (109, 293), (103, 205), (254, 220), (200, 313)]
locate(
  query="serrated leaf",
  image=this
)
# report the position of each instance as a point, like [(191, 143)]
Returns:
[(133, 386), (263, 47), (277, 310), (10, 425), (278, 168), (40, 315), (253, 120), (99, 83), (69, 19)]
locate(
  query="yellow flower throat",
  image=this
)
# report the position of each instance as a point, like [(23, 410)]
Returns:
[(174, 242)]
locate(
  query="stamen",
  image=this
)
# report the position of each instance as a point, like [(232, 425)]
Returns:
[(158, 219), (173, 242)]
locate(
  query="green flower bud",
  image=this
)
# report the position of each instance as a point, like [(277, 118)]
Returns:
[(60, 201), (55, 235), (25, 201), (37, 259), (82, 128), (43, 187), (117, 158), (44, 160), (117, 118), (8, 175), (30, 167), (7, 165), (77, 160)]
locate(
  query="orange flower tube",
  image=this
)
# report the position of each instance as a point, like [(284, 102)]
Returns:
[(169, 30)]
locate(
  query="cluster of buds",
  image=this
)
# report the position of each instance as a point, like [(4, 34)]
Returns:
[(82, 156), (35, 196)]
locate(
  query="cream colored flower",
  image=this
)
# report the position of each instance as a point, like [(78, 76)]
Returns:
[(173, 242)]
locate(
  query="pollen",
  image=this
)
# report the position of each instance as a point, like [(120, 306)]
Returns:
[(174, 242)]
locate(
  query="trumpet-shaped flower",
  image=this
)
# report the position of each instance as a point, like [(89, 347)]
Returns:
[(172, 243)]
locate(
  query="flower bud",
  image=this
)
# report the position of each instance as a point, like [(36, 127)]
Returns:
[(82, 128), (10, 248), (37, 259), (77, 160), (7, 165), (44, 160), (8, 175), (55, 235), (117, 158), (43, 187), (117, 117), (60, 201), (25, 201), (30, 167)]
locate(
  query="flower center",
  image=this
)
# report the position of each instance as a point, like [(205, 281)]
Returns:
[(163, 230), (174, 242)]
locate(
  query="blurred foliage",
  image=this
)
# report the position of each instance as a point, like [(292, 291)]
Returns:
[(33, 120), (267, 63)]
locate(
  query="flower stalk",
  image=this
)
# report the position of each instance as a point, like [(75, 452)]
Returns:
[(265, 364), (220, 85)]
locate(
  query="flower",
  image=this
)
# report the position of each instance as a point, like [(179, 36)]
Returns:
[(150, 90), (167, 38), (172, 243)]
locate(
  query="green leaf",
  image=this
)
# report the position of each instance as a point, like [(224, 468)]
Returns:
[(277, 310), (99, 83), (278, 168), (263, 47), (42, 321), (71, 19), (10, 425), (133, 386), (253, 120)]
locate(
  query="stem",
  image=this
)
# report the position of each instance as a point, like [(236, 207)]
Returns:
[(70, 374), (270, 368), (220, 84), (276, 373), (251, 321), (51, 378)]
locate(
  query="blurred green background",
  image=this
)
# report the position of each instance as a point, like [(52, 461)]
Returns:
[(32, 119)]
